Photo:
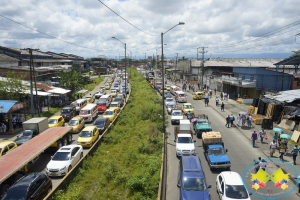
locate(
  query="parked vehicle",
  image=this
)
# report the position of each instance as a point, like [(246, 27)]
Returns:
[(6, 147), (184, 139), (102, 124), (88, 136), (68, 112), (79, 103), (56, 121), (77, 124), (31, 128), (214, 151), (230, 185), (64, 159), (89, 112), (33, 186), (176, 116), (191, 179)]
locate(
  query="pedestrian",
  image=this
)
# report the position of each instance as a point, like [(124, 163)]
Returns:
[(282, 150), (298, 182), (262, 135), (295, 151), (215, 91), (221, 95), (275, 137), (207, 101), (238, 120), (263, 164), (189, 87), (273, 147), (243, 120), (217, 101), (254, 137), (231, 120), (222, 106), (227, 121), (250, 121), (227, 97)]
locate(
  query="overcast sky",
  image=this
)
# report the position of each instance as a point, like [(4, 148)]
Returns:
[(224, 26)]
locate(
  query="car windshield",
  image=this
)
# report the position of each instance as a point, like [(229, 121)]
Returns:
[(188, 106), (176, 113), (66, 111), (167, 100), (181, 95), (185, 140), (109, 113), (25, 134), (73, 122), (101, 103), (86, 134), (202, 122), (52, 121), (236, 192), (114, 105), (85, 112), (171, 106), (60, 156), (113, 91), (193, 184), (16, 193), (216, 151), (100, 122)]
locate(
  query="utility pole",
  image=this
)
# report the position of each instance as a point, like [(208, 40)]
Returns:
[(202, 63)]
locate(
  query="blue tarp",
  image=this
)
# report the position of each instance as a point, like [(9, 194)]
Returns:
[(5, 105)]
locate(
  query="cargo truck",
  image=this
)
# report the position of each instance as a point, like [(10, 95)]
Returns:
[(201, 125), (157, 83), (215, 153), (13, 165), (184, 139), (31, 128)]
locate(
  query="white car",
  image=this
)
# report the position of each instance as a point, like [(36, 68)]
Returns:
[(170, 106), (169, 100), (229, 186), (64, 159)]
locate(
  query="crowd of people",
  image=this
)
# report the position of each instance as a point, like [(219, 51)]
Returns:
[(17, 120)]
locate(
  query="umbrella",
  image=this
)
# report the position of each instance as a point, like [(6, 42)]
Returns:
[(286, 136), (206, 97), (243, 113), (277, 130), (194, 119)]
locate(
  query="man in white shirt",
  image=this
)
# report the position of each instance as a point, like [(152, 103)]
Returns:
[(273, 147)]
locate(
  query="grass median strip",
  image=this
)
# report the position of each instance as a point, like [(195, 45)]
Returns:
[(127, 163)]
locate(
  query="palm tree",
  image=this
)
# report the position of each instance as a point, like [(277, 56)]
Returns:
[(72, 80)]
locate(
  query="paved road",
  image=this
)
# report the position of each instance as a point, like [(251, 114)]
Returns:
[(240, 151)]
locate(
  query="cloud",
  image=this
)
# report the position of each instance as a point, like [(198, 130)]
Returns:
[(223, 26)]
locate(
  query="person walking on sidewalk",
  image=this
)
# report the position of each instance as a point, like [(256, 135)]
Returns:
[(215, 91), (282, 150), (231, 120), (243, 120), (298, 182), (217, 101), (262, 135), (238, 120), (221, 95), (263, 164), (227, 121), (273, 147), (250, 121), (295, 151), (254, 137), (222, 106)]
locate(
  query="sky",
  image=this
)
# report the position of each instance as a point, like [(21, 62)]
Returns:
[(228, 28)]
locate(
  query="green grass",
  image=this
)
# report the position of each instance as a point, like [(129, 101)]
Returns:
[(96, 81), (127, 163)]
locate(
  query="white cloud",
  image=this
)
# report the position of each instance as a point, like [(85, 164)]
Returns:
[(212, 23)]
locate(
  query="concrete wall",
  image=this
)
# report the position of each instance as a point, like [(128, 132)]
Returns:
[(9, 64)]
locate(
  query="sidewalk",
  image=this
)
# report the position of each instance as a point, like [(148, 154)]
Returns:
[(232, 107)]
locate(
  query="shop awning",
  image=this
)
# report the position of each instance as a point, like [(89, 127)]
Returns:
[(7, 106), (59, 91), (39, 93)]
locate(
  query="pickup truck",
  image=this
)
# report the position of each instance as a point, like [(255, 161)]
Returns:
[(184, 139), (202, 125), (176, 116), (215, 153)]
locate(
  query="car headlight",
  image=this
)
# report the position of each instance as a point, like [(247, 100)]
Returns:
[(62, 169), (178, 150), (193, 150)]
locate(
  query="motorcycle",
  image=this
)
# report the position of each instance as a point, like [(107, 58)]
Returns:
[(189, 116)]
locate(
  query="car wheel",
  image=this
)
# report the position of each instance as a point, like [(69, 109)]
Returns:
[(69, 136), (3, 189), (81, 155), (64, 141), (69, 169)]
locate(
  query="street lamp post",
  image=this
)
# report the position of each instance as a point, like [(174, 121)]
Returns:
[(125, 66)]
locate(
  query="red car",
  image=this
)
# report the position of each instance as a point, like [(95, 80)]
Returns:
[(101, 106)]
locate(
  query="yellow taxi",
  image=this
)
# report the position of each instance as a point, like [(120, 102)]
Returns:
[(168, 87), (56, 121), (186, 107), (113, 93), (121, 95), (6, 147), (111, 114), (115, 106), (161, 90), (88, 136), (107, 86), (90, 98), (77, 123), (198, 95)]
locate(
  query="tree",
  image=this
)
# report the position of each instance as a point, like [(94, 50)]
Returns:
[(71, 80), (12, 87), (295, 53)]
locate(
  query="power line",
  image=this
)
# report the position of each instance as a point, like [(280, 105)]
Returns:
[(125, 19), (48, 34)]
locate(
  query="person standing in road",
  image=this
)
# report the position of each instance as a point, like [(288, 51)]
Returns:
[(282, 151), (298, 182), (262, 135), (222, 106), (227, 121), (221, 95), (295, 151), (215, 91), (217, 101), (207, 101), (273, 147), (231, 120), (238, 120), (254, 137), (263, 164), (243, 120), (250, 121)]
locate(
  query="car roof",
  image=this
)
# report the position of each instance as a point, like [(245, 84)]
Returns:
[(89, 128), (191, 164), (109, 109), (68, 148), (5, 143), (69, 106), (28, 179), (232, 178), (55, 117), (187, 104), (76, 118), (100, 119), (215, 146), (114, 102)]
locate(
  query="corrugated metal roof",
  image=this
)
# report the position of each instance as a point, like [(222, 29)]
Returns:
[(5, 105), (265, 63), (285, 96), (6, 58)]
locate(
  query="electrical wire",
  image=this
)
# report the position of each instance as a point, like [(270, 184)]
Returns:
[(48, 34), (125, 19)]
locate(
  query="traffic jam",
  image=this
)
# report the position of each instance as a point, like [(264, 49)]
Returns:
[(185, 126), (48, 148)]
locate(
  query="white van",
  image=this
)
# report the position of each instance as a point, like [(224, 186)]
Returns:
[(79, 103), (89, 112), (107, 99), (180, 97), (173, 89)]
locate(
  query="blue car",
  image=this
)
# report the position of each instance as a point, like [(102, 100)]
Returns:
[(191, 179)]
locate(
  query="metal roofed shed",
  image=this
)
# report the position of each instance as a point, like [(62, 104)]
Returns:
[(59, 91), (285, 96)]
